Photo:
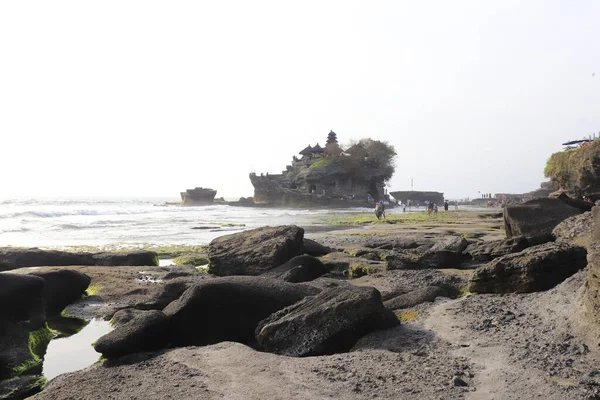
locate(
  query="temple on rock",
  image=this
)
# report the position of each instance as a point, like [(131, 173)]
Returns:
[(329, 176)]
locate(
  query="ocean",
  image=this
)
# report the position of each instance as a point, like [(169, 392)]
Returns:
[(62, 223)]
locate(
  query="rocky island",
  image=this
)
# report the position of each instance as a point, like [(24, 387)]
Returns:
[(329, 176), (198, 197)]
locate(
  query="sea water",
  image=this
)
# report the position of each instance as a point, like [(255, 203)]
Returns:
[(137, 222), (74, 352), (130, 222)]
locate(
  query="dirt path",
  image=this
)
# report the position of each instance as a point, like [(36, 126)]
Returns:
[(521, 346)]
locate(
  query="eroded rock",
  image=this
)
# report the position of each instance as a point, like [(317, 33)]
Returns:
[(303, 268), (315, 249), (415, 297), (327, 323), (21, 299), (13, 258), (535, 219), (534, 269), (255, 251), (61, 288), (229, 308), (487, 251), (576, 230), (145, 331)]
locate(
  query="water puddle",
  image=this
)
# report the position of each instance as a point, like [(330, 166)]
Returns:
[(75, 352), (165, 262), (147, 277)]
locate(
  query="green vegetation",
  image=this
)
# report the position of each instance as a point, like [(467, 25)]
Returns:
[(38, 343), (92, 290), (192, 259), (39, 339), (368, 219), (574, 169), (163, 251), (369, 153), (358, 270), (324, 163), (406, 316)]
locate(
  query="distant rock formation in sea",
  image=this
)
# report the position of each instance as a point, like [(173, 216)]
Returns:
[(198, 196), (329, 176)]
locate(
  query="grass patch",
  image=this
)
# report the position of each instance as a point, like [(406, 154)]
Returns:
[(407, 316), (163, 251), (324, 163), (358, 270), (404, 218), (92, 290), (191, 259)]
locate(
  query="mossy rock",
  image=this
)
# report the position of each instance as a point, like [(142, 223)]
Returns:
[(407, 315), (358, 269), (575, 170), (66, 325), (195, 259), (21, 387), (38, 343)]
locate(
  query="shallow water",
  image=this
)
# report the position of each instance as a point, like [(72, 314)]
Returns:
[(74, 352)]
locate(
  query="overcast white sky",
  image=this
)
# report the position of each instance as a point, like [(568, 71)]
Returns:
[(147, 98)]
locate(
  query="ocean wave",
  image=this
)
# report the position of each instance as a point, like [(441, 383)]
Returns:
[(15, 230), (54, 214)]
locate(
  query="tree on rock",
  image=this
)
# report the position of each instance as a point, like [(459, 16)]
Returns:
[(371, 154)]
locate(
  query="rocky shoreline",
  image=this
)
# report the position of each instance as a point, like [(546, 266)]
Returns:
[(419, 309)]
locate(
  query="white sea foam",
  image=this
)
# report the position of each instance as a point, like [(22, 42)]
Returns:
[(129, 222)]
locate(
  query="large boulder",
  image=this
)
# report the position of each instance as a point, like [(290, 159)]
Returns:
[(21, 387), (21, 299), (146, 331), (415, 297), (14, 348), (61, 288), (126, 258), (487, 251), (327, 323), (535, 219), (575, 230), (166, 294), (534, 269), (229, 308), (13, 258), (303, 268), (255, 251), (445, 253), (315, 249)]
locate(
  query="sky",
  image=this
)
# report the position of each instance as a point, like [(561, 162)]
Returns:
[(149, 98)]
